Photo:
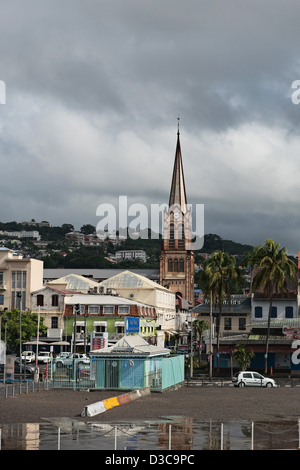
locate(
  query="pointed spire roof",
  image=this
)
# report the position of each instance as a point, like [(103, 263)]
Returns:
[(178, 194)]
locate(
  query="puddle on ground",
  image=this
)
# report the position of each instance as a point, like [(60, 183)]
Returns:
[(167, 433)]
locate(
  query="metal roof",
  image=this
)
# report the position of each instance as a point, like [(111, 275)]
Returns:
[(133, 345), (130, 280), (97, 274)]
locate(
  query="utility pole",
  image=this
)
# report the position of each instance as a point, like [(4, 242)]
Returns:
[(210, 338), (192, 353)]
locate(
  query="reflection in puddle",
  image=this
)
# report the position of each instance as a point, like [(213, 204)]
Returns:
[(169, 433)]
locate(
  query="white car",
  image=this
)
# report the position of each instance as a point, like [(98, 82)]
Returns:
[(67, 361), (62, 355), (28, 356), (252, 379), (44, 357)]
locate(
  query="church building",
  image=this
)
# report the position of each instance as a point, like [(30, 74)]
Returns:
[(176, 260)]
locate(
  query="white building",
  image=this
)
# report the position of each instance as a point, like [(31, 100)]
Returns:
[(139, 288), (131, 255), (18, 278)]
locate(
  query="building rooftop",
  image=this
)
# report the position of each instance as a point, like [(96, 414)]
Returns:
[(97, 274), (133, 345), (129, 280), (74, 282)]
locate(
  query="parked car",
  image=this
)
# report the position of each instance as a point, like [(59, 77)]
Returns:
[(28, 356), (67, 361), (44, 357), (62, 355), (252, 379), (20, 370)]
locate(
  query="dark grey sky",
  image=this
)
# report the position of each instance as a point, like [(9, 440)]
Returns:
[(93, 91)]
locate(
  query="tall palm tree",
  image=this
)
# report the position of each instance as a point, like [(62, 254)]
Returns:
[(274, 271), (220, 276)]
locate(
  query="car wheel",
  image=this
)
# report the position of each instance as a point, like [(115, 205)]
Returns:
[(241, 384), (269, 384)]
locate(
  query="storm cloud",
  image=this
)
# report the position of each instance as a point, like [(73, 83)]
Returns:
[(93, 92)]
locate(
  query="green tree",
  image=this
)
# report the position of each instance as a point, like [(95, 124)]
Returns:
[(88, 229), (29, 324), (243, 356), (219, 277), (273, 272)]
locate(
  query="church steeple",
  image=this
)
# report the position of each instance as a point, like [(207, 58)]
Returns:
[(176, 259), (178, 193)]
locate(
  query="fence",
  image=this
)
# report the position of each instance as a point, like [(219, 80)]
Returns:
[(18, 388), (183, 434)]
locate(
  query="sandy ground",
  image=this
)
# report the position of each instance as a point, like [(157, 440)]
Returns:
[(216, 403)]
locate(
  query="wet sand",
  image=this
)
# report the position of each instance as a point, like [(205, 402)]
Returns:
[(216, 403)]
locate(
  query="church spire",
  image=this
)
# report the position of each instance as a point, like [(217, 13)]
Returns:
[(177, 193)]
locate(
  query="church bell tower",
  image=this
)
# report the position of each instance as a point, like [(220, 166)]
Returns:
[(176, 261)]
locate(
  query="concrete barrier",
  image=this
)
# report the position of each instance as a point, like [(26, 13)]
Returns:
[(104, 405)]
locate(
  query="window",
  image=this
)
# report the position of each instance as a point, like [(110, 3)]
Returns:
[(258, 312), (181, 266), (18, 279), (120, 327), (100, 326), (274, 312), (55, 300), (175, 265), (289, 312), (123, 309), (242, 323), (227, 323), (40, 300), (1, 299), (94, 309), (247, 375), (78, 309), (170, 265), (54, 322), (108, 309), (171, 240), (18, 285), (256, 375), (18, 300), (181, 237)]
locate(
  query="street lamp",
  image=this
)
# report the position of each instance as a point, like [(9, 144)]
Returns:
[(5, 343), (192, 351), (19, 296), (210, 338)]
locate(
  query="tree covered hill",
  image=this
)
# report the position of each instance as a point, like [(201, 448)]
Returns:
[(62, 253)]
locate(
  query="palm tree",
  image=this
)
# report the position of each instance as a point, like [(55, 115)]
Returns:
[(219, 277), (274, 270), (243, 356)]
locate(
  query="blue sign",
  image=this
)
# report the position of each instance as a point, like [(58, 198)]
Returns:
[(132, 325)]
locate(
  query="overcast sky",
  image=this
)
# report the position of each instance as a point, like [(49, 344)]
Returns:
[(93, 92)]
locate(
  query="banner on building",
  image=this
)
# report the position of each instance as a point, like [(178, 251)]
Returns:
[(293, 333)]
